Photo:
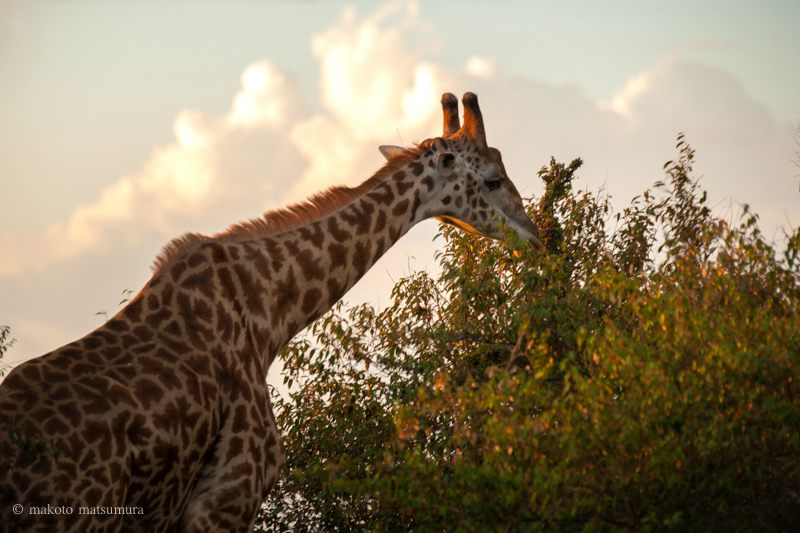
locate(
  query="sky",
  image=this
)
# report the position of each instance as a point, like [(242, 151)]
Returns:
[(125, 124)]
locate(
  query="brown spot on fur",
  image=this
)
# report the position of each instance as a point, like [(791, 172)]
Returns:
[(70, 412), (177, 269), (240, 422), (202, 311), (240, 471), (400, 208), (99, 434), (228, 286), (359, 216), (311, 300), (235, 447), (133, 312), (361, 256), (292, 246), (118, 428), (287, 293), (166, 294), (335, 290), (402, 187), (380, 221), (310, 265), (154, 320), (313, 235), (202, 282), (92, 342), (394, 233), (147, 392), (32, 373), (255, 256), (386, 197), (107, 336), (224, 327), (338, 255), (218, 254), (116, 325), (336, 232), (56, 426), (196, 259), (417, 203), (251, 289), (173, 328), (275, 253), (142, 333), (379, 249)]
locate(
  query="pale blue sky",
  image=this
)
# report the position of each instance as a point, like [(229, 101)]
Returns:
[(91, 89)]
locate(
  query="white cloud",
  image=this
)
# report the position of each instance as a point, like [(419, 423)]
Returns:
[(369, 75), (184, 184), (481, 67), (633, 89), (742, 151), (269, 98), (375, 88)]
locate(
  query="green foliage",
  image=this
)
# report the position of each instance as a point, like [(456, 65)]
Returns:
[(5, 344), (34, 448), (640, 378)]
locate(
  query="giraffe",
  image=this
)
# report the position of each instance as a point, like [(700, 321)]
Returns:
[(160, 418)]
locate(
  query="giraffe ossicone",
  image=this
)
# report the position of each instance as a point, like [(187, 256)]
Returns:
[(164, 409)]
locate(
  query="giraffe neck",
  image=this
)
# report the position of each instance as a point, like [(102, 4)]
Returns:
[(254, 293), (318, 263)]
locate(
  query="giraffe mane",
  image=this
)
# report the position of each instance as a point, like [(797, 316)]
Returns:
[(290, 217)]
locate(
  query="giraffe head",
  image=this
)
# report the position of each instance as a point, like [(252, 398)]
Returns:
[(471, 189)]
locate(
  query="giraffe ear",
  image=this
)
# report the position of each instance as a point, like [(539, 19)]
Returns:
[(390, 151), (446, 163)]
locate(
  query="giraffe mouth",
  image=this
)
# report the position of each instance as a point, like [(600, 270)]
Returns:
[(463, 226), (533, 238)]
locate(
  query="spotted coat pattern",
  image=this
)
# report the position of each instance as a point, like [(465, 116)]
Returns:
[(164, 410)]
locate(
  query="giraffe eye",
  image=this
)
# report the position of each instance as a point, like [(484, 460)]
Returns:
[(494, 184)]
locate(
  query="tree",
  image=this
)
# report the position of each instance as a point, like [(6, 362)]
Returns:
[(634, 378), (5, 344)]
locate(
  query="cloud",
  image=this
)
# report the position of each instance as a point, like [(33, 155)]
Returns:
[(742, 151), (371, 80), (373, 87), (376, 88), (213, 164)]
